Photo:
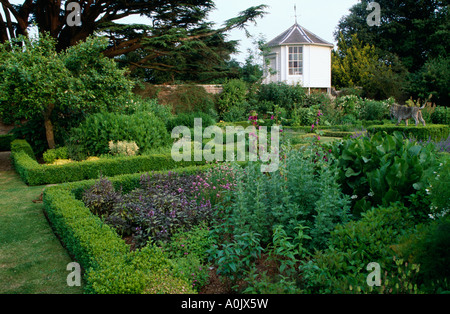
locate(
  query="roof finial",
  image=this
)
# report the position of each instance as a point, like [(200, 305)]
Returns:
[(295, 11)]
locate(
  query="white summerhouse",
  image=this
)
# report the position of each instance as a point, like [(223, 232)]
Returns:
[(299, 56)]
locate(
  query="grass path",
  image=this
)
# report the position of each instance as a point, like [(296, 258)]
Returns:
[(32, 260)]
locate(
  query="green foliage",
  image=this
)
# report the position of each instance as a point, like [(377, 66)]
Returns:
[(91, 138), (440, 188), (191, 98), (426, 23), (40, 84), (33, 173), (432, 79), (234, 93), (297, 194), (282, 94), (188, 119), (435, 132), (374, 110), (109, 264), (429, 247), (382, 169), (144, 105), (305, 116), (355, 244), (22, 146), (50, 155), (358, 64), (441, 115)]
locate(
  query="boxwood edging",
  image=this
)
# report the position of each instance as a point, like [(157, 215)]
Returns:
[(435, 132), (33, 173), (109, 265)]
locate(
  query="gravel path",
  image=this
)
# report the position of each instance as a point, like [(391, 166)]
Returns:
[(5, 162)]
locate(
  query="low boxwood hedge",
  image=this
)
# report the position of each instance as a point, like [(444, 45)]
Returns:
[(108, 264), (434, 132), (33, 173)]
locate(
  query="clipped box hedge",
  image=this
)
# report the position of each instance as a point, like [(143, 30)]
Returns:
[(33, 173), (108, 264), (434, 132)]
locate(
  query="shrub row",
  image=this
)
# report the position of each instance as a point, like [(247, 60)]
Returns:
[(424, 133), (33, 173), (355, 244), (108, 264)]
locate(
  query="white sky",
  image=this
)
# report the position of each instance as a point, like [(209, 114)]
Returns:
[(319, 16)]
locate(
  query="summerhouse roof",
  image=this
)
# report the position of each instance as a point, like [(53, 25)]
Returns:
[(296, 34)]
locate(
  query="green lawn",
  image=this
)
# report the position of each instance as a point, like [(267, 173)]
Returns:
[(32, 260)]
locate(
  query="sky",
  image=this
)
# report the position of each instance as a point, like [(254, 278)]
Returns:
[(321, 17)]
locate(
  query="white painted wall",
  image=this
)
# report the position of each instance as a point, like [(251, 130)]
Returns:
[(316, 66)]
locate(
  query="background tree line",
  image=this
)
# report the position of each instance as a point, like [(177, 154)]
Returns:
[(178, 43), (406, 56)]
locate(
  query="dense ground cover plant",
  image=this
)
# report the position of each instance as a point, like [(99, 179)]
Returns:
[(382, 169), (160, 207), (266, 212), (342, 265)]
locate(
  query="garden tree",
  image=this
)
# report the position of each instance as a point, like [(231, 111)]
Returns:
[(37, 82), (413, 30), (355, 64), (433, 78), (414, 34), (178, 38)]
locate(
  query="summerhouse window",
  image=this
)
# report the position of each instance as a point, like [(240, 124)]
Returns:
[(296, 60)]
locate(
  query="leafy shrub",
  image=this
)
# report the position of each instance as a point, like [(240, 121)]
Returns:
[(297, 194), (143, 105), (305, 116), (187, 119), (102, 197), (281, 94), (109, 265), (441, 115), (355, 244), (123, 148), (160, 207), (350, 104), (91, 138), (382, 168), (429, 247), (191, 98), (50, 155), (374, 110), (234, 93)]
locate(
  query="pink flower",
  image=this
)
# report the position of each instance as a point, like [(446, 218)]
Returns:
[(312, 126), (271, 118)]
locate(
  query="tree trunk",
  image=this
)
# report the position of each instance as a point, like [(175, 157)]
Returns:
[(49, 126)]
